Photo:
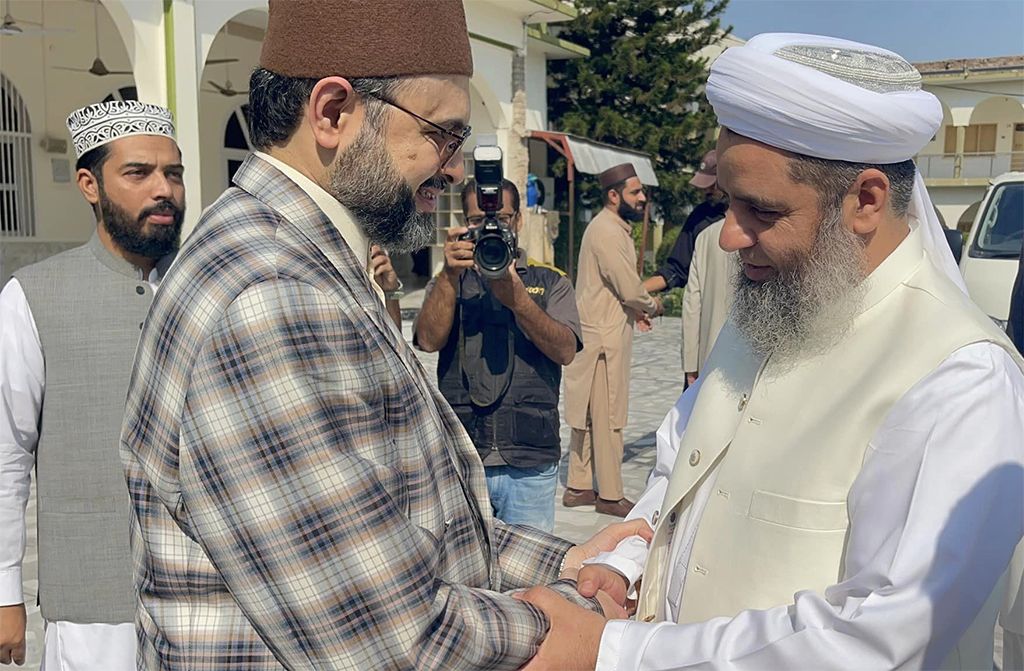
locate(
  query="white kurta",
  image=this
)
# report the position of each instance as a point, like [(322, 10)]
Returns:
[(898, 597), (22, 385)]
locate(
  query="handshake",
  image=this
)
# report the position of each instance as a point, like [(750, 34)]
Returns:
[(574, 634)]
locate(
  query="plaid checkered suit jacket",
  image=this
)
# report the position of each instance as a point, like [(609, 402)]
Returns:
[(302, 494)]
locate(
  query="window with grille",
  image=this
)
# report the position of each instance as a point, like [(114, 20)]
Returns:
[(236, 142), (449, 205), (17, 199)]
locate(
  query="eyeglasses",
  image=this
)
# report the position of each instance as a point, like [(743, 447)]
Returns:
[(449, 142), (478, 220)]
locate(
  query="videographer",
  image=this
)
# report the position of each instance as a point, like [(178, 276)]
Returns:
[(502, 344)]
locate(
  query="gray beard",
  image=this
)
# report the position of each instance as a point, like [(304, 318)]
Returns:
[(365, 181), (809, 308)]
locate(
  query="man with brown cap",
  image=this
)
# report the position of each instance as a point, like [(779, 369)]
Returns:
[(611, 298), (303, 497)]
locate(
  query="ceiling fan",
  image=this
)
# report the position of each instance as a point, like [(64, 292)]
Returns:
[(11, 27), (98, 67), (227, 89)]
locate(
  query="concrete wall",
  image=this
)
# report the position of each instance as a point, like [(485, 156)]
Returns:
[(963, 108)]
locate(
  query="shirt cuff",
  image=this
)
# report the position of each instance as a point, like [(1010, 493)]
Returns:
[(628, 640), (11, 591), (610, 649)]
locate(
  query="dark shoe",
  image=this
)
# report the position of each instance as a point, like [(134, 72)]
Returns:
[(578, 497), (618, 508)]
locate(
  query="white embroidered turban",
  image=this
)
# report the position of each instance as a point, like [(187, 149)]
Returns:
[(97, 125), (836, 100)]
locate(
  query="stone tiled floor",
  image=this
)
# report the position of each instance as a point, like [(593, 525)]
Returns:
[(656, 383)]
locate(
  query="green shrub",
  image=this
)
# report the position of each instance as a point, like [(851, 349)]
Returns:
[(668, 241), (673, 302)]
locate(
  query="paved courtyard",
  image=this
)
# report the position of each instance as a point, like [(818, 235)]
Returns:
[(656, 383)]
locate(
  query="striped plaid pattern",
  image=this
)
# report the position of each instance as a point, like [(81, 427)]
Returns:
[(303, 497)]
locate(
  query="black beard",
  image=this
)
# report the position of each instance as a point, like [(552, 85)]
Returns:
[(629, 213), (366, 182), (127, 232)]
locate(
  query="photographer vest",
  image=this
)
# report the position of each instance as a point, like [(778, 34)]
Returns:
[(503, 389)]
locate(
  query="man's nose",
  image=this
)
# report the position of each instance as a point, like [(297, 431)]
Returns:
[(735, 236), (162, 187), (455, 171)]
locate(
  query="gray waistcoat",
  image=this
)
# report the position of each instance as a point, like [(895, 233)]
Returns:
[(88, 306)]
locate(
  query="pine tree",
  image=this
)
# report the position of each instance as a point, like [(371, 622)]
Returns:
[(642, 87)]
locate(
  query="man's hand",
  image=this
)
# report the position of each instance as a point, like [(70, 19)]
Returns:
[(12, 634), (574, 637), (659, 309), (643, 322), (691, 379), (604, 541), (458, 254), (509, 288), (595, 579), (383, 273)]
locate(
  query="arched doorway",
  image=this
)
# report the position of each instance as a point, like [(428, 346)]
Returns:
[(17, 198), (236, 142), (233, 52), (992, 143)]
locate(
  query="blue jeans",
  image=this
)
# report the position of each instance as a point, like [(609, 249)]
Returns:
[(524, 495)]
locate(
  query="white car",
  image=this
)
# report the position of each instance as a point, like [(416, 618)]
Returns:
[(989, 265)]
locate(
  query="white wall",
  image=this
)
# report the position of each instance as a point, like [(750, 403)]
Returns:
[(961, 103), (28, 61), (536, 90), (215, 109)]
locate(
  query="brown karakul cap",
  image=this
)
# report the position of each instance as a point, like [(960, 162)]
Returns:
[(366, 38), (616, 174)]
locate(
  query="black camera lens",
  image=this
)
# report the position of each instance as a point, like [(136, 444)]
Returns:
[(492, 253)]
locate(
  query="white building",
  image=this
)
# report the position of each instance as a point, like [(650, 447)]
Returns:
[(982, 134), (170, 52)]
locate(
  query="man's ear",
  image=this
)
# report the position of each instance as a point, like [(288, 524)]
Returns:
[(331, 112), (88, 185), (869, 194)]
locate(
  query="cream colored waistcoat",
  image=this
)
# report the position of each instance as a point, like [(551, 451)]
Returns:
[(792, 442)]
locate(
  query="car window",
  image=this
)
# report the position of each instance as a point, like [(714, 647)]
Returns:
[(1001, 231)]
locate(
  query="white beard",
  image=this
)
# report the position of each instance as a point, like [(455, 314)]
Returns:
[(807, 310)]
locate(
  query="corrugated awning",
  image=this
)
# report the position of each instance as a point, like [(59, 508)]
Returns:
[(595, 157)]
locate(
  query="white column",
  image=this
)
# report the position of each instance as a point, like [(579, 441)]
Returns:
[(183, 98)]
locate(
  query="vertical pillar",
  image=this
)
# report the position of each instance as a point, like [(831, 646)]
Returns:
[(958, 161), (518, 162), (182, 70)]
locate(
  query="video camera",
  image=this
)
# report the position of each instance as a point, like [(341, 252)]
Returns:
[(495, 243)]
